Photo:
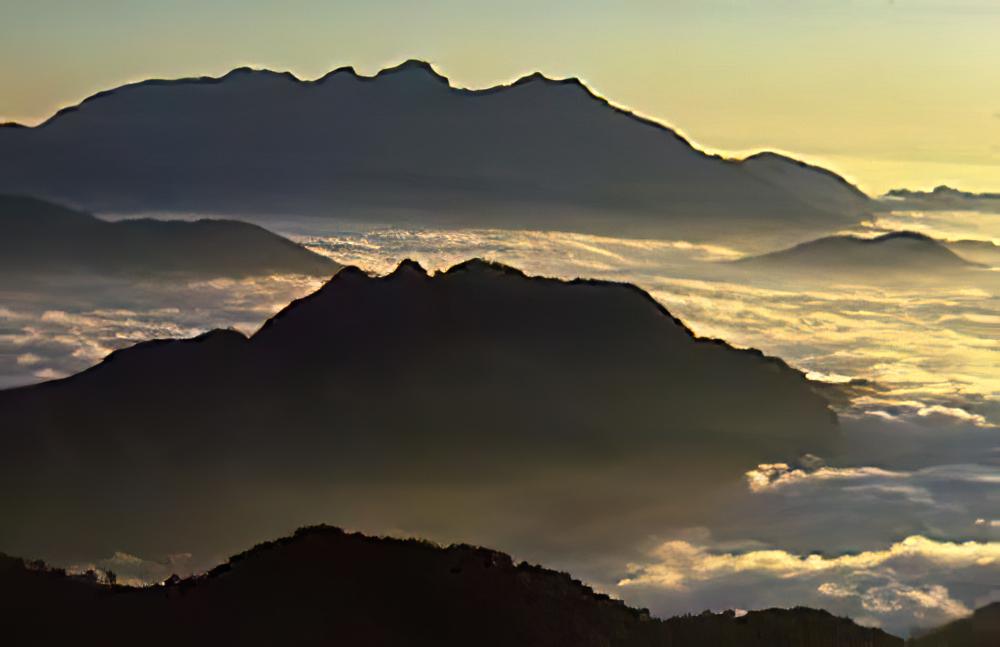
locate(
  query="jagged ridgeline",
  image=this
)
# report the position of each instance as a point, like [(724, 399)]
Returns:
[(478, 393), (406, 146), (323, 586)]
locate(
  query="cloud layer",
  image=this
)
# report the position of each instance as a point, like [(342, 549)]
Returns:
[(913, 486), (910, 582)]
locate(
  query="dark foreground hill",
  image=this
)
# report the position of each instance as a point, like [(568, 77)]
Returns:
[(902, 253), (982, 629), (478, 394), (405, 146), (324, 587), (38, 237)]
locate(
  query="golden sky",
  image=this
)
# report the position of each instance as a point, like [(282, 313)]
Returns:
[(888, 93)]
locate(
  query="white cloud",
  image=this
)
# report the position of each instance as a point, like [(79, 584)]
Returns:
[(954, 412), (28, 359), (769, 477), (914, 582), (50, 374), (679, 562)]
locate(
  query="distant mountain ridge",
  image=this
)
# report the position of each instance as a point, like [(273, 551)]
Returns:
[(404, 146), (941, 198), (38, 238), (942, 191), (472, 376), (895, 252), (324, 586)]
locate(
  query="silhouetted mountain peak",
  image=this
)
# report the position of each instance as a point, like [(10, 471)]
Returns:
[(540, 79), (484, 267), (428, 377), (536, 153), (414, 68), (780, 161), (408, 268), (909, 252), (899, 235), (247, 72)]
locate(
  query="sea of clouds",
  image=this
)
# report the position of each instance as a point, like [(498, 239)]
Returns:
[(899, 530)]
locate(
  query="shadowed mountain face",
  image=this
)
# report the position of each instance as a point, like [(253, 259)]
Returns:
[(323, 586), (39, 238), (982, 629), (977, 251), (905, 253), (478, 393), (405, 146)]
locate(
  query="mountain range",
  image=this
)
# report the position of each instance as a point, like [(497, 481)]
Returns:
[(323, 586), (39, 238), (421, 384), (404, 146)]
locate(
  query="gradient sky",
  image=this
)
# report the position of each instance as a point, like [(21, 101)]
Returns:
[(901, 93)]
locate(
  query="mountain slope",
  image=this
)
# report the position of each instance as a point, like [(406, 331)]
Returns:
[(323, 586), (406, 147), (38, 237), (901, 252), (477, 394), (977, 251), (982, 629)]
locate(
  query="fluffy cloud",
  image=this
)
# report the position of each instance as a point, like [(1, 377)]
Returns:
[(678, 562), (909, 583), (770, 476), (50, 331)]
